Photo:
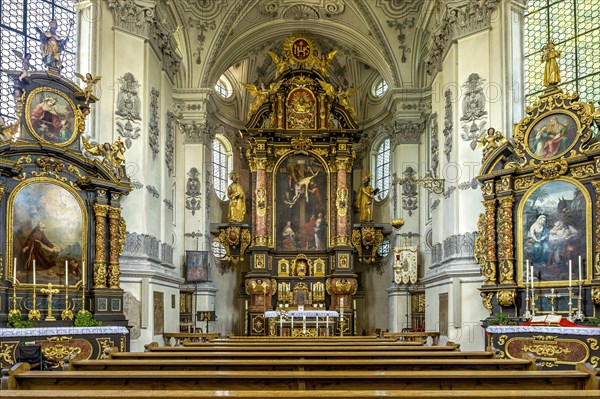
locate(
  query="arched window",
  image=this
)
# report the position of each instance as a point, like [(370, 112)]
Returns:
[(382, 168), (572, 25), (221, 165), (380, 88), (223, 87), (18, 22)]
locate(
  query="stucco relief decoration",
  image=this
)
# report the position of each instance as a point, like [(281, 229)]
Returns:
[(153, 125), (161, 38), (400, 25), (409, 191), (302, 10), (141, 244), (399, 8), (133, 16), (448, 125), (473, 106), (197, 133), (456, 21), (170, 143), (407, 132), (192, 192), (435, 143), (406, 266), (128, 108)]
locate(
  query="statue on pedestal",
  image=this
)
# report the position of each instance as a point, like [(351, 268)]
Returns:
[(53, 45), (364, 200), (551, 71), (237, 200)]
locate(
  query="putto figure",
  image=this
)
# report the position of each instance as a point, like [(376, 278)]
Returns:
[(53, 45)]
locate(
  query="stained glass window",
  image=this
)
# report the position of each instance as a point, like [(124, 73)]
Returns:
[(572, 25), (18, 22), (220, 166), (382, 169)]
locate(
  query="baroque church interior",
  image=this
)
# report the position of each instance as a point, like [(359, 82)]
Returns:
[(193, 166)]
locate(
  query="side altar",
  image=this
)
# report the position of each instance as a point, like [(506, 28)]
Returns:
[(298, 237), (60, 206), (538, 240)]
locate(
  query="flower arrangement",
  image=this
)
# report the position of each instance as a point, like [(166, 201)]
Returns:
[(283, 315)]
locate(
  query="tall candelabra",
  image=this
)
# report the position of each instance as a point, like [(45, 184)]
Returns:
[(14, 311), (34, 313), (579, 313), (67, 314)]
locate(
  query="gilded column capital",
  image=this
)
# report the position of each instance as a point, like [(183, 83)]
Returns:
[(101, 210)]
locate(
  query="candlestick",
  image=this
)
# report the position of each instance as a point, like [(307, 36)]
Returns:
[(570, 271), (580, 268), (531, 276)]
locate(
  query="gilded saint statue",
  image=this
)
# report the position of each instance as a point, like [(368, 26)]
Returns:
[(53, 45), (237, 200), (551, 71), (364, 200)]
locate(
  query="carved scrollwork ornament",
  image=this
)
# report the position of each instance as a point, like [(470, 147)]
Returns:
[(506, 240), (506, 298), (523, 183), (480, 241), (551, 170), (341, 201), (596, 295), (486, 299)]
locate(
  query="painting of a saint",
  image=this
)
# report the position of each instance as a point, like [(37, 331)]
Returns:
[(554, 230), (301, 210), (51, 117), (47, 228), (197, 266), (552, 136)]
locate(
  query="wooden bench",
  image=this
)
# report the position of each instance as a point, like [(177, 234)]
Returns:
[(20, 377), (241, 354), (261, 394), (412, 336), (191, 337), (303, 364), (224, 344)]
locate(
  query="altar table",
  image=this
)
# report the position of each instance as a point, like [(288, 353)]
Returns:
[(557, 347), (305, 318)]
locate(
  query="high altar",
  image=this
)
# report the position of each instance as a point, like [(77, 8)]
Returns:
[(61, 208), (539, 239), (299, 235)]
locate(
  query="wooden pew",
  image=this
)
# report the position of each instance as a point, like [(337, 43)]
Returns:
[(412, 336), (20, 377), (303, 364), (261, 394), (224, 344), (192, 337), (241, 354)]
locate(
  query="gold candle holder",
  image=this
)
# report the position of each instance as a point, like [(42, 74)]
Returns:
[(14, 311), (34, 314), (49, 292), (67, 314)]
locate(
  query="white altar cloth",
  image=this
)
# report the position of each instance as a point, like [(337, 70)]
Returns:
[(307, 313), (544, 329), (51, 331)]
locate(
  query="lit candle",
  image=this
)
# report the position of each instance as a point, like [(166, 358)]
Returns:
[(83, 274), (342, 302), (570, 272), (66, 273), (531, 276), (580, 268), (34, 272), (527, 273), (15, 272)]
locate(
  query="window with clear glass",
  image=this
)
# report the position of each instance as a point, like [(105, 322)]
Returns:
[(223, 88), (380, 88), (220, 162), (18, 22), (382, 169), (573, 27), (384, 248)]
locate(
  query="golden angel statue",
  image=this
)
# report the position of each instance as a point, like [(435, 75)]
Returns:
[(490, 140), (323, 62), (281, 63), (261, 95), (10, 132), (237, 200), (551, 71), (364, 200), (114, 154), (90, 82), (342, 96)]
